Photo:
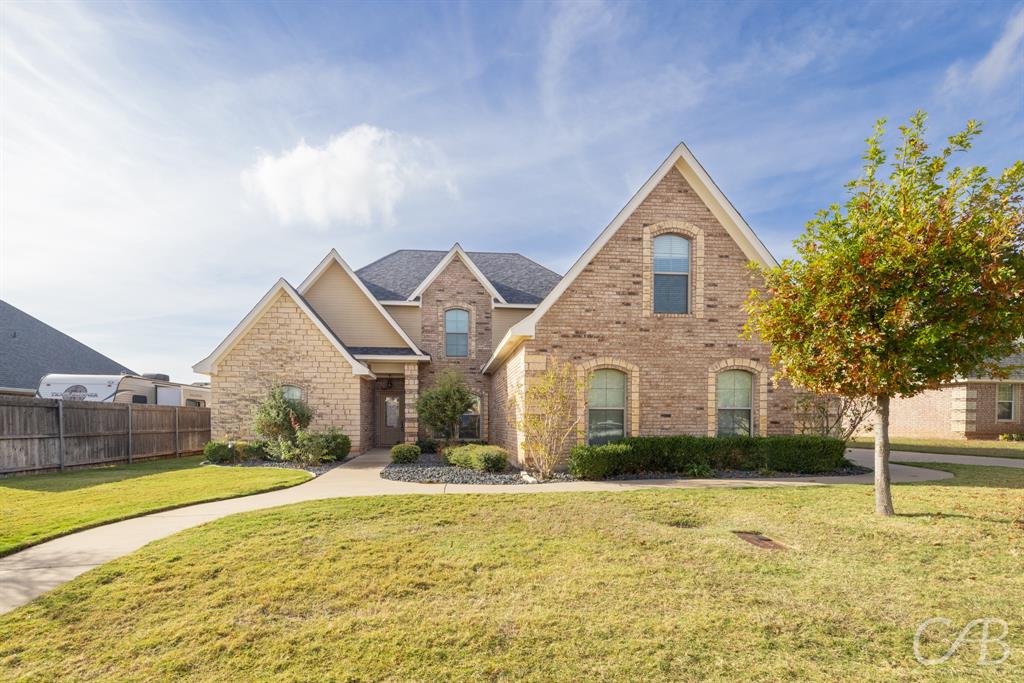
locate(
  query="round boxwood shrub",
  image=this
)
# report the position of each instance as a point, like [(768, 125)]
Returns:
[(405, 453), (218, 452), (478, 457)]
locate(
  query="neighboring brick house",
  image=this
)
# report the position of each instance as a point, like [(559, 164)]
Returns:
[(979, 407), (650, 316)]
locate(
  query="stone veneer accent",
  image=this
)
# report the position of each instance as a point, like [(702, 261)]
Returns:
[(457, 287), (412, 395), (696, 276), (583, 372), (964, 410), (760, 408), (285, 347)]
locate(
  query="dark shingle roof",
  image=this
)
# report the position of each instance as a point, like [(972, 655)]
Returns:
[(518, 279), (379, 351), (1015, 362), (29, 349)]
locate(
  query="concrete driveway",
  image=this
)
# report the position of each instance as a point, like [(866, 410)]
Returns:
[(33, 571)]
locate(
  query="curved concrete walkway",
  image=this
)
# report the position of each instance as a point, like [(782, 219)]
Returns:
[(33, 571)]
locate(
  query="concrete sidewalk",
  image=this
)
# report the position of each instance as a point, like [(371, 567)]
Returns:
[(33, 571)]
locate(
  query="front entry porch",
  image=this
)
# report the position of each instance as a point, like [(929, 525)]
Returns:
[(394, 416)]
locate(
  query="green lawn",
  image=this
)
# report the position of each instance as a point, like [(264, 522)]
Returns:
[(999, 449), (40, 507), (637, 586)]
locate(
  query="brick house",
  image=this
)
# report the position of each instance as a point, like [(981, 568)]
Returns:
[(979, 407), (650, 316)]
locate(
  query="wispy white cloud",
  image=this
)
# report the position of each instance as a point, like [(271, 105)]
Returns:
[(358, 177), (1002, 64)]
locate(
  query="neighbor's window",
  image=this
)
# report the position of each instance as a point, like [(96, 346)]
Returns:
[(606, 407), (291, 392), (194, 403), (1006, 407), (456, 333), (735, 400), (671, 274), (469, 423)]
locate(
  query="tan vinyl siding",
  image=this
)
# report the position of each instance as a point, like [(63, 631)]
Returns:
[(408, 318), (504, 318), (348, 311), (386, 368)]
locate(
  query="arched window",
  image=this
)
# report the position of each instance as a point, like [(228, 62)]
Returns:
[(469, 423), (735, 395), (671, 274), (456, 333), (606, 407), (291, 392)]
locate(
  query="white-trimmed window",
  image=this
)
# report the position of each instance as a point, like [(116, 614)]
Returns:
[(456, 333), (671, 274), (469, 423), (735, 395), (1006, 402), (291, 392), (606, 407)]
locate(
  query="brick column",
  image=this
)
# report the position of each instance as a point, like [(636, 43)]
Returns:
[(412, 394)]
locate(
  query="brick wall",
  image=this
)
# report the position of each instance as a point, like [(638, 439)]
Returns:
[(985, 424), (602, 315), (284, 346), (456, 287), (507, 381), (927, 415)]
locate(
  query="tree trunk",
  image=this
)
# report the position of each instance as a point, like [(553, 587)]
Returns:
[(883, 490)]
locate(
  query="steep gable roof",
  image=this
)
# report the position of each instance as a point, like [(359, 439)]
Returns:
[(682, 160), (516, 278), (456, 252), (30, 349), (207, 365), (332, 258)]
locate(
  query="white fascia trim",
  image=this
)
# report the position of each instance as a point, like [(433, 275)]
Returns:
[(682, 159), (208, 365), (515, 305), (457, 250), (404, 359), (502, 350), (335, 257), (403, 302)]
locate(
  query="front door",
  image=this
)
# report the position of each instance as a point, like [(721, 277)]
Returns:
[(390, 418)]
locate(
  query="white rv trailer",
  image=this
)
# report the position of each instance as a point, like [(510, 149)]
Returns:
[(153, 390)]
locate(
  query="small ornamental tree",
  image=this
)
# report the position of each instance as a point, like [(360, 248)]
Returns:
[(276, 416), (915, 281), (546, 416), (442, 406)]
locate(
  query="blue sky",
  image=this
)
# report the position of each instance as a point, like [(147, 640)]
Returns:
[(164, 164)]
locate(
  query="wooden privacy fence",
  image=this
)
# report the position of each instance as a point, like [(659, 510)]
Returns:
[(45, 434)]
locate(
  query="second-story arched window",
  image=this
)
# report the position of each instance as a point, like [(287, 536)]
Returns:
[(456, 333), (671, 274)]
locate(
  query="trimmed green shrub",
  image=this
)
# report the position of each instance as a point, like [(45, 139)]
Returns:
[(218, 451), (405, 453), (232, 451), (338, 444), (478, 457), (599, 462), (427, 445), (698, 455)]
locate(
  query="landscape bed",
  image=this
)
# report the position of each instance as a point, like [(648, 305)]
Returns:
[(642, 585)]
